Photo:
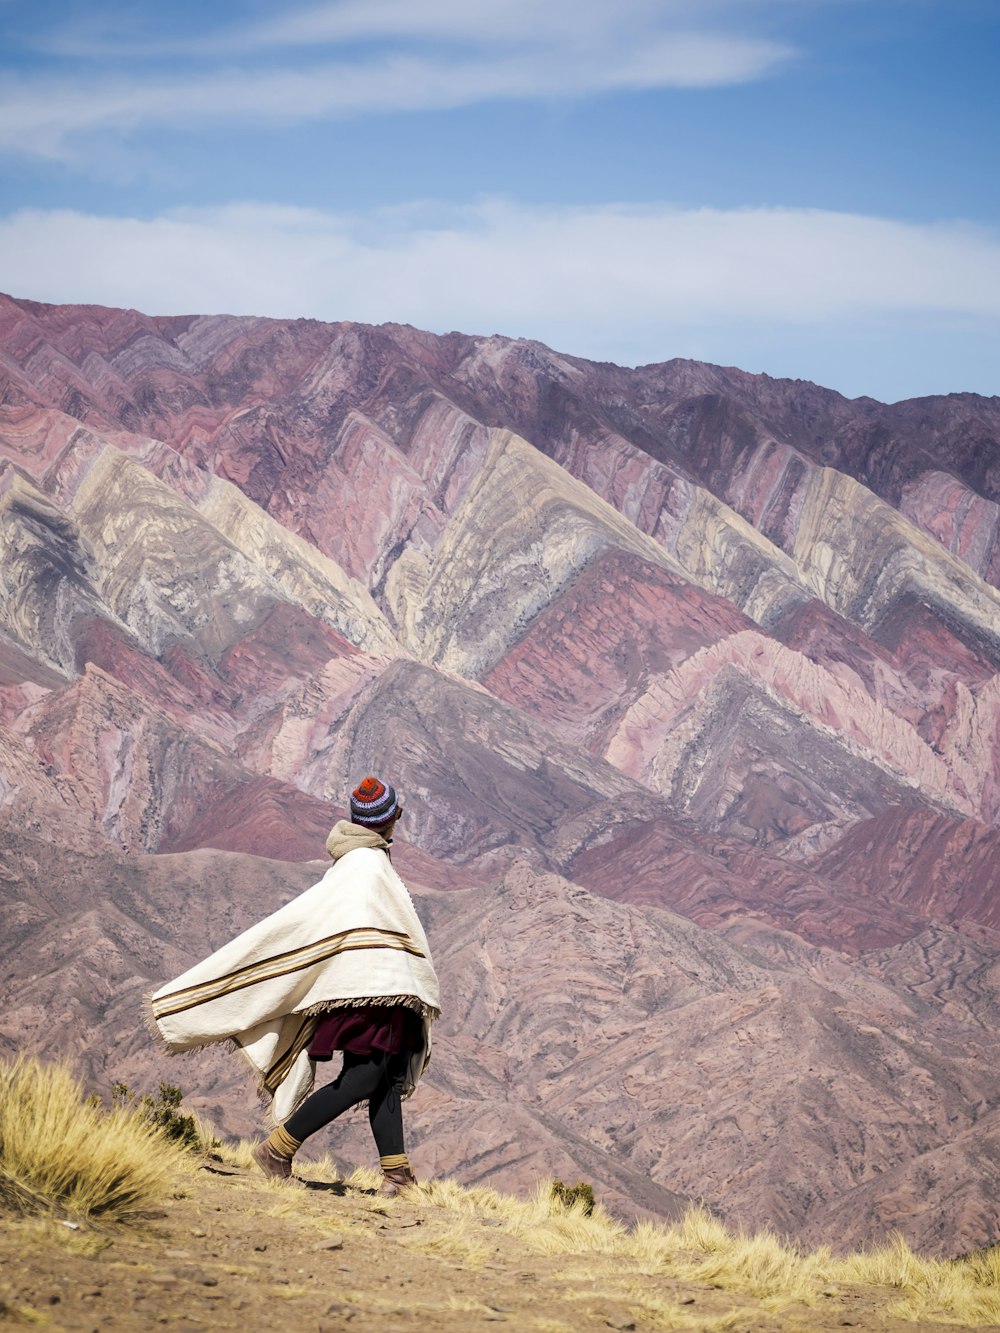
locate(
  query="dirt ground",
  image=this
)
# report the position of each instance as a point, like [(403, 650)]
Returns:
[(232, 1251)]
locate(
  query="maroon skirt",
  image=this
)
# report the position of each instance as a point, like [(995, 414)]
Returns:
[(362, 1031)]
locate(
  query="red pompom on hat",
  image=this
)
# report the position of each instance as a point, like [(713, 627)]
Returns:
[(373, 802)]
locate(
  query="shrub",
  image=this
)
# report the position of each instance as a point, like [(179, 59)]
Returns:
[(568, 1195), (164, 1113)]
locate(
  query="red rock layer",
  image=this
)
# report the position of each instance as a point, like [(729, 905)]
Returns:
[(715, 882), (947, 870), (589, 654)]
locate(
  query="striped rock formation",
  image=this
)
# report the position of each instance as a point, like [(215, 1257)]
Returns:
[(691, 679)]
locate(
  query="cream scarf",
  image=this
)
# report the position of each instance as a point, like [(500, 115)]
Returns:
[(353, 938)]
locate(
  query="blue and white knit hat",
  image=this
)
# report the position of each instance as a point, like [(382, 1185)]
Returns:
[(373, 802)]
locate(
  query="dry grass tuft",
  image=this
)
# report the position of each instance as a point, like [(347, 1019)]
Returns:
[(59, 1150), (702, 1231), (949, 1291), (544, 1222), (471, 1200), (453, 1242), (983, 1267), (363, 1178), (700, 1248), (20, 1314), (237, 1152)]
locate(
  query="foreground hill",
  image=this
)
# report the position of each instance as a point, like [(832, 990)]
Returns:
[(229, 1250), (691, 681), (135, 1214)]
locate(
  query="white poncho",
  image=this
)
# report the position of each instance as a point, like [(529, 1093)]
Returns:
[(352, 939)]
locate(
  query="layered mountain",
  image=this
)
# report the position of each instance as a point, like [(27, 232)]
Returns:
[(691, 679)]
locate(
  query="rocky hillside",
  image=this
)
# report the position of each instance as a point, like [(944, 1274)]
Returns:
[(690, 678)]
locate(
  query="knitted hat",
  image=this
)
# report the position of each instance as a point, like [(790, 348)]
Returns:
[(373, 802)]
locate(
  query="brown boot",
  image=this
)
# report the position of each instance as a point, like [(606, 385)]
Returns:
[(395, 1180), (274, 1154), (272, 1163)]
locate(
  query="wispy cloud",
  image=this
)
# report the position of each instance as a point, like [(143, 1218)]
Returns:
[(610, 281), (562, 23), (515, 24), (381, 56)]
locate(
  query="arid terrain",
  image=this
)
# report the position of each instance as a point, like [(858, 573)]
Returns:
[(690, 680), (229, 1251)]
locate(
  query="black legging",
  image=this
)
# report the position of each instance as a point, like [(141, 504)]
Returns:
[(379, 1078)]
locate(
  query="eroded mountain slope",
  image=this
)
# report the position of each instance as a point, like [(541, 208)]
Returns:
[(692, 641)]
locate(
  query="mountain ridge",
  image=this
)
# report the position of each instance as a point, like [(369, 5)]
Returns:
[(630, 635)]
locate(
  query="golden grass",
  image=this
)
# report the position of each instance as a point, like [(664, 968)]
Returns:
[(543, 1222), (776, 1274), (984, 1266), (453, 1242), (59, 1150), (37, 1230), (953, 1291), (237, 1153), (760, 1267), (361, 1178), (21, 1314)]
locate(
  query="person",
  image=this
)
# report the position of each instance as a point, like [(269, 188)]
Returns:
[(344, 967)]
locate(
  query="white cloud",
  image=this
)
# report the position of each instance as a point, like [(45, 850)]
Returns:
[(500, 264), (432, 55)]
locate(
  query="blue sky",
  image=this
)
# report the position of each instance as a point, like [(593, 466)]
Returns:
[(804, 187)]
